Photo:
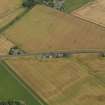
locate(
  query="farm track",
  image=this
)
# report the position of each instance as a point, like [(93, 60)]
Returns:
[(73, 52)]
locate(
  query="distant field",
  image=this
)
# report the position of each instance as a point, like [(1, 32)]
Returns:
[(10, 88), (96, 65), (6, 5), (51, 80), (61, 81), (94, 12), (45, 29), (5, 46), (9, 16), (9, 9), (71, 5), (90, 93)]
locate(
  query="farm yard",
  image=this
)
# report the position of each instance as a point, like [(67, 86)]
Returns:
[(61, 81), (51, 30), (93, 12), (5, 46)]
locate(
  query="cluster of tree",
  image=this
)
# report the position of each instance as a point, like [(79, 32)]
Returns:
[(57, 4), (31, 3), (49, 3), (11, 103)]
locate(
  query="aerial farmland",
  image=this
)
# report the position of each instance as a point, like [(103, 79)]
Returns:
[(52, 52), (68, 81), (93, 12), (46, 37)]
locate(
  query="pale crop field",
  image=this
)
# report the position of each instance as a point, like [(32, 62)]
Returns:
[(5, 46), (90, 93), (9, 9), (95, 66), (8, 17), (68, 81), (6, 5), (94, 12), (45, 29), (52, 80)]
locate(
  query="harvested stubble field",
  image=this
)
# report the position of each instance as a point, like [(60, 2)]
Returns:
[(5, 46), (45, 29), (94, 12), (60, 81)]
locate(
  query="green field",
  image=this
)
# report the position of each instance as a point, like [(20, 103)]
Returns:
[(71, 5), (10, 88)]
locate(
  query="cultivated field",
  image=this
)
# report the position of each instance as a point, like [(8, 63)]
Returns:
[(95, 65), (9, 9), (76, 80), (94, 12), (11, 88), (91, 92), (7, 17), (6, 5), (60, 81), (5, 46), (45, 29)]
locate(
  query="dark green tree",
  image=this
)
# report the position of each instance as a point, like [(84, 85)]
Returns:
[(30, 3)]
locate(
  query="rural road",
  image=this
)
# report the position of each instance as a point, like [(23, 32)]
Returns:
[(72, 52)]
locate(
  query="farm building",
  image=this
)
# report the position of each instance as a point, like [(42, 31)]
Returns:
[(16, 51), (54, 55), (59, 4)]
